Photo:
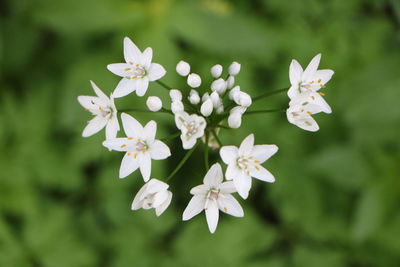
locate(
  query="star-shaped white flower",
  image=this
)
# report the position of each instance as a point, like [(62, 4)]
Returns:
[(153, 194), (245, 162), (105, 113), (137, 72), (311, 79), (213, 196), (192, 127), (140, 147)]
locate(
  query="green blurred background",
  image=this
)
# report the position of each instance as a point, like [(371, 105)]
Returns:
[(337, 194)]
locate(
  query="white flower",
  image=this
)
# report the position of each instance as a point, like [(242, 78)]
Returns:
[(206, 108), (183, 68), (153, 194), (245, 162), (194, 97), (215, 99), (137, 72), (154, 103), (213, 196), (140, 147), (234, 69), (175, 95), (177, 106), (311, 79), (105, 113), (219, 86), (194, 80), (216, 71), (192, 127)]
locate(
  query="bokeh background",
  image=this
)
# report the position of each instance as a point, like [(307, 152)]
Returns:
[(337, 194)]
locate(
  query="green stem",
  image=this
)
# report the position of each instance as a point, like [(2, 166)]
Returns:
[(164, 85), (206, 152), (265, 111), (216, 137), (269, 94), (184, 159)]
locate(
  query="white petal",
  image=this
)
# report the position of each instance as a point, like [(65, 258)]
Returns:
[(308, 123), (128, 165), (88, 102), (94, 125), (262, 174), (154, 186), (180, 118), (318, 100), (159, 150), (155, 72), (125, 87), (243, 184), (293, 91), (212, 215), (232, 171), (323, 76), (147, 56), (141, 86), (118, 144), (227, 187), (159, 198), (263, 152), (97, 91), (131, 126), (214, 176), (195, 206), (120, 69), (228, 204), (131, 52), (246, 146), (160, 209), (311, 68), (188, 142), (112, 128), (295, 72), (228, 154), (145, 165), (137, 201), (149, 131), (200, 190)]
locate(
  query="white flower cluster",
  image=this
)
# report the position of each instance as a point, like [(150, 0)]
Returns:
[(305, 100), (199, 113)]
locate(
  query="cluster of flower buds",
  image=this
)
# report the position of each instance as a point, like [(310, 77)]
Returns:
[(305, 100), (200, 112)]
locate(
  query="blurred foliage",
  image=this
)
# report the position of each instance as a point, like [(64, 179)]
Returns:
[(335, 202)]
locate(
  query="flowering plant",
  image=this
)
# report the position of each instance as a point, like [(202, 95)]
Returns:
[(198, 115)]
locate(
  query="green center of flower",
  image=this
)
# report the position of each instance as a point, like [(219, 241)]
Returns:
[(136, 72), (246, 163), (191, 128)]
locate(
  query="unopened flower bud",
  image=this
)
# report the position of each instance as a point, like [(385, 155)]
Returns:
[(215, 99), (230, 82), (183, 68), (234, 92), (220, 109), (154, 103), (205, 97), (177, 106), (219, 86), (235, 120), (194, 97), (216, 71), (234, 69), (175, 95), (194, 80), (206, 108)]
